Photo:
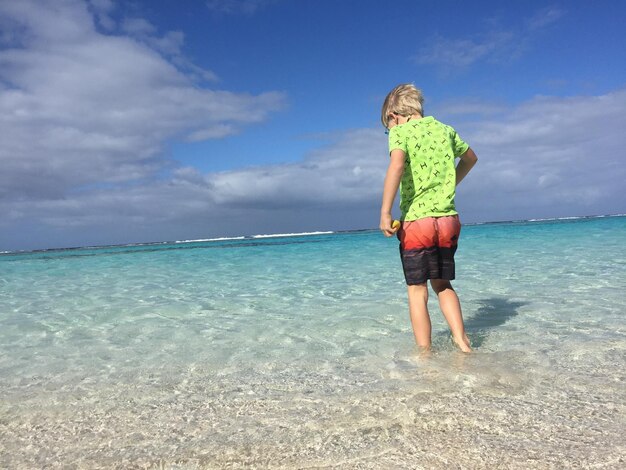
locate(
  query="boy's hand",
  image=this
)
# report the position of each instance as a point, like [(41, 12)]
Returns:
[(386, 225)]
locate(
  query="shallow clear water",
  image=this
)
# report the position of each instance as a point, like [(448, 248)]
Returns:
[(297, 352)]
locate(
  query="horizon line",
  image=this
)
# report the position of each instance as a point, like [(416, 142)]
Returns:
[(284, 235)]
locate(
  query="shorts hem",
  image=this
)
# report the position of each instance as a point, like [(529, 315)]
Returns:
[(413, 282)]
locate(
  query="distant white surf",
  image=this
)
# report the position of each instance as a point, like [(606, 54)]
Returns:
[(220, 239), (302, 234), (560, 218), (547, 219)]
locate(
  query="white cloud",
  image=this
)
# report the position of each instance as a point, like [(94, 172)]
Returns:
[(551, 156), (247, 7), (170, 45), (498, 44), (78, 107), (545, 17), (102, 10), (213, 132), (469, 106), (138, 26), (347, 173), (460, 53)]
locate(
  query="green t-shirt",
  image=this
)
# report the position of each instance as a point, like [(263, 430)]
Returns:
[(428, 184)]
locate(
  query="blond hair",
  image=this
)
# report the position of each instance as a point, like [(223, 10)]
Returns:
[(404, 100)]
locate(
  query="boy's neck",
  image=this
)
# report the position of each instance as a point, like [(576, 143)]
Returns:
[(412, 117)]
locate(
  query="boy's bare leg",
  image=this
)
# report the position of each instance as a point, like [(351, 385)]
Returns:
[(418, 309), (451, 309)]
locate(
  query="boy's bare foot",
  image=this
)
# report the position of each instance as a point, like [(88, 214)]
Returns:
[(424, 351), (463, 344)]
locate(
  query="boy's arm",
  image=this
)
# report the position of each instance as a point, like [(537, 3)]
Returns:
[(468, 160), (392, 182)]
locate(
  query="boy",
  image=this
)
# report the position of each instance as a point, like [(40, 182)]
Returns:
[(422, 152)]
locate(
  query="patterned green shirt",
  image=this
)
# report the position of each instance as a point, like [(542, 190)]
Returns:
[(428, 183)]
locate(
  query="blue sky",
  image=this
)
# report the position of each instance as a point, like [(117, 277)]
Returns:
[(161, 120)]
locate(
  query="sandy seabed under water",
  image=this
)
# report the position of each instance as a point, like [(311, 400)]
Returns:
[(446, 411)]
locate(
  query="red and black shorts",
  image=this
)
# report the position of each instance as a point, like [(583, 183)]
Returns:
[(427, 248)]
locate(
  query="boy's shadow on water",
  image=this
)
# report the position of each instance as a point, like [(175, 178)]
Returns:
[(491, 314)]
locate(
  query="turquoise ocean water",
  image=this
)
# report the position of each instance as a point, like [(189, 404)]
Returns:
[(297, 352)]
